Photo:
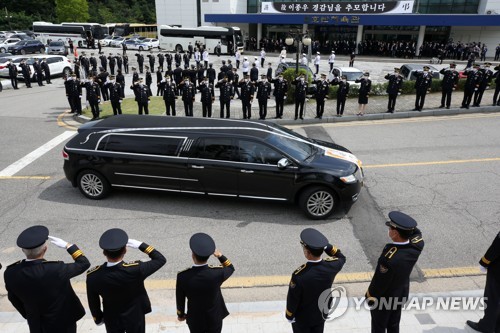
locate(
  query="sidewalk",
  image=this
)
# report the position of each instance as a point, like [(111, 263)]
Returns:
[(268, 316)]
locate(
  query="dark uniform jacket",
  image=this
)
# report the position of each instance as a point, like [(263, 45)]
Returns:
[(141, 93), (178, 75), (115, 91), (343, 89), (45, 68), (247, 91), (254, 74), (121, 287), (169, 90), (188, 92), (25, 69), (207, 93), (73, 88), (41, 291), (140, 58), (491, 259), (322, 88), (280, 88), (263, 91), (450, 79), (226, 91), (12, 70), (306, 285), (211, 74), (365, 87), (487, 77), (392, 275), (300, 90), (423, 82), (474, 79), (104, 60), (93, 91), (201, 286), (395, 84)]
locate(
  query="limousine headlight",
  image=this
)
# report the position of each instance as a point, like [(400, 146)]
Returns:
[(348, 179)]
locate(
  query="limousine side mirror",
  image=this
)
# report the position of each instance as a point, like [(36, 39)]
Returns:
[(283, 163)]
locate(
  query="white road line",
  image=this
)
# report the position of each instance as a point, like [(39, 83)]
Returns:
[(17, 166)]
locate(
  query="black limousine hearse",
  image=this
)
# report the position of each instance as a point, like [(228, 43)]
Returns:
[(223, 157)]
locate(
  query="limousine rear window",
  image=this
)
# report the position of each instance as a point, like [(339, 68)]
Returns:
[(141, 144), (222, 149)]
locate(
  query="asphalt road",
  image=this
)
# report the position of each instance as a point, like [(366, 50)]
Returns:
[(456, 203)]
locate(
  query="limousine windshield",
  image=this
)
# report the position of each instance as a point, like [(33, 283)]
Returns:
[(299, 150)]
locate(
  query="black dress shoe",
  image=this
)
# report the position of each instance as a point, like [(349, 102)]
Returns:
[(448, 107), (301, 118), (415, 109), (441, 106), (474, 326)]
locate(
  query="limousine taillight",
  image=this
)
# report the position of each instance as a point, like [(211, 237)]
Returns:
[(65, 155)]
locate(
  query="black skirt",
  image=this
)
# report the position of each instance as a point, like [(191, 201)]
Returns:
[(363, 99)]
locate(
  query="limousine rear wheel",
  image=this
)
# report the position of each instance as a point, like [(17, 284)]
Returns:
[(93, 185), (317, 202)]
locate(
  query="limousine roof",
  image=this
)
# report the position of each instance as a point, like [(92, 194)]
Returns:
[(138, 122)]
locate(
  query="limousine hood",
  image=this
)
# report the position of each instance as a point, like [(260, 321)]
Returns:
[(333, 161)]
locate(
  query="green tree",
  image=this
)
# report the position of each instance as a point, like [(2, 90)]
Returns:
[(72, 10)]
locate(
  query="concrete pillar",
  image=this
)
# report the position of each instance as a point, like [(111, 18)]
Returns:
[(259, 34), (420, 40), (359, 37)]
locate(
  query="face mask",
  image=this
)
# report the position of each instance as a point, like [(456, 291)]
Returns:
[(302, 79), (281, 79), (206, 82), (187, 81), (344, 80), (113, 81), (264, 80), (247, 80), (168, 80)]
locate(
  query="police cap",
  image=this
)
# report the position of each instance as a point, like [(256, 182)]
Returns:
[(453, 65), (33, 237), (487, 63), (323, 75), (401, 221), (202, 244), (313, 239), (113, 239), (112, 77), (426, 68)]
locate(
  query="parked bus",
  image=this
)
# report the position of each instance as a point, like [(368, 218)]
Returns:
[(78, 32), (177, 39)]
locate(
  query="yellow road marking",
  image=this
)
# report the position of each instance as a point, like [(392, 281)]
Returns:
[(284, 280), (61, 123), (25, 177), (392, 165)]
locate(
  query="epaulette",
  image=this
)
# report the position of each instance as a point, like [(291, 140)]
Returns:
[(298, 270), (391, 252), (92, 270), (184, 270), (215, 266), (331, 258), (416, 239), (131, 263), (15, 263)]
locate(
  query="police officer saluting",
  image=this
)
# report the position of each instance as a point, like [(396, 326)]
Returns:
[(93, 96), (474, 79), (322, 88), (393, 89), (201, 286), (280, 93), (169, 89), (391, 282), (142, 94), (225, 96), (300, 95), (449, 83), (41, 290), (115, 94), (422, 87), (121, 284), (188, 91), (207, 96), (310, 280), (490, 263)]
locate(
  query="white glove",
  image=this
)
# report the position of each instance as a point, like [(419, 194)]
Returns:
[(134, 243), (59, 242), (291, 321), (120, 101), (483, 269)]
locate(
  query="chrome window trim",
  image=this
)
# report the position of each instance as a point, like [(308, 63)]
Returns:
[(182, 138), (151, 176)]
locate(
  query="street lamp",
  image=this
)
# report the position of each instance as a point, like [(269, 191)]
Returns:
[(297, 36)]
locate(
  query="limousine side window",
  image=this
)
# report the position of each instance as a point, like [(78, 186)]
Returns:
[(255, 152), (141, 144), (215, 149)]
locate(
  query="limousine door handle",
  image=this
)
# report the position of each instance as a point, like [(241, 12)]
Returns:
[(197, 167), (247, 171)]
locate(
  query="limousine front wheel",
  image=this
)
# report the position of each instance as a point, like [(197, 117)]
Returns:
[(93, 185), (317, 202)]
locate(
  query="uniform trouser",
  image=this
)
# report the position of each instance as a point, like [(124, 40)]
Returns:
[(39, 78), (206, 64), (236, 91), (47, 77), (491, 320), (117, 107), (468, 93), (331, 66), (77, 104), (237, 64), (263, 108), (94, 107), (27, 80), (161, 65), (495, 95), (391, 104), (104, 93), (385, 320), (247, 109), (152, 67), (217, 329), (478, 96), (320, 107), (420, 99), (446, 97), (104, 66), (116, 326), (141, 67), (262, 60), (13, 81), (299, 104), (206, 109), (143, 106), (298, 328), (125, 67), (170, 105), (340, 105), (317, 68), (279, 107), (222, 105), (188, 108)]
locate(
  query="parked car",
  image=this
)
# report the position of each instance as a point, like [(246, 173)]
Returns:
[(4, 45), (245, 159), (3, 55), (57, 47), (116, 41), (27, 46), (106, 40), (153, 42), (22, 36), (136, 45), (351, 73), (408, 71), (283, 66)]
